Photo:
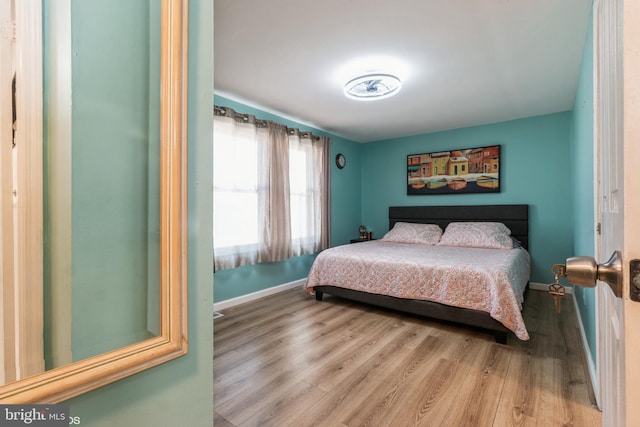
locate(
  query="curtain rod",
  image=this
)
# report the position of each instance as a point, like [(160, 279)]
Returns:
[(222, 112)]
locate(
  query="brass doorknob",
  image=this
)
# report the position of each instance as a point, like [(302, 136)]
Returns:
[(584, 271)]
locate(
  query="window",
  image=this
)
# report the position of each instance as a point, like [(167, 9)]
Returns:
[(270, 201), (235, 186)]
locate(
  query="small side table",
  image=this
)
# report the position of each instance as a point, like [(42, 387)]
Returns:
[(358, 240)]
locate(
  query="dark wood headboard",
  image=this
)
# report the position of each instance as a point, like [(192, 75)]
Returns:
[(516, 217)]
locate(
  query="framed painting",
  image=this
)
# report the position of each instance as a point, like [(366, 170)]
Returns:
[(463, 171)]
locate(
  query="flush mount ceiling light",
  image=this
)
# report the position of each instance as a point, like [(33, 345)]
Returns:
[(371, 87)]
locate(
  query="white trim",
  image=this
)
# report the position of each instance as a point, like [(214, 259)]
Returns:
[(257, 295), (59, 179), (597, 220), (545, 287), (28, 188), (286, 286), (7, 336), (593, 373), (597, 215)]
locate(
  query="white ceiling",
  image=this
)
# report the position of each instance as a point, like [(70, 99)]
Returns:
[(462, 62)]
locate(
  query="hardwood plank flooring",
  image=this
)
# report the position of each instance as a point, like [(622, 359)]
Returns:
[(288, 360)]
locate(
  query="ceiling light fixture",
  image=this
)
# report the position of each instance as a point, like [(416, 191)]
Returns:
[(371, 87)]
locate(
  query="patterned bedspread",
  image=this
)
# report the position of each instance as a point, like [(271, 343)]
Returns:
[(489, 280)]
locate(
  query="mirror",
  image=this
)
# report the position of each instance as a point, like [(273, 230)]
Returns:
[(109, 359)]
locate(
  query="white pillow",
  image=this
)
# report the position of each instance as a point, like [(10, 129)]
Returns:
[(493, 235), (405, 232)]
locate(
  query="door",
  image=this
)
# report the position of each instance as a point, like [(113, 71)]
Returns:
[(617, 133)]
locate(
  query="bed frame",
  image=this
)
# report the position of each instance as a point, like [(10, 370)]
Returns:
[(516, 217)]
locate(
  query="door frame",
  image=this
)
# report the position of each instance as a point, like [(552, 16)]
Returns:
[(21, 180)]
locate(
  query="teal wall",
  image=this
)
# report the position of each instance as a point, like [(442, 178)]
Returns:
[(534, 171), (179, 392), (345, 216), (583, 185), (114, 150), (114, 128)]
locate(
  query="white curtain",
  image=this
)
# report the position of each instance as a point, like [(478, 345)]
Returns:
[(274, 201), (271, 198), (310, 186)]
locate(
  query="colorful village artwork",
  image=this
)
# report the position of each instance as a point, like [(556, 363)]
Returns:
[(470, 170)]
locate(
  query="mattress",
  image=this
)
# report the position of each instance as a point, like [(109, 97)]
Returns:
[(489, 280)]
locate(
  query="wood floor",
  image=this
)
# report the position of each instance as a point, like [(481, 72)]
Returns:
[(288, 360)]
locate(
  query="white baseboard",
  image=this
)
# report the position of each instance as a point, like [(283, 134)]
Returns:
[(545, 287), (591, 365), (257, 295)]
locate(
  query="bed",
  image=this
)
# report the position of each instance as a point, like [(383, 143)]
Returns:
[(377, 272)]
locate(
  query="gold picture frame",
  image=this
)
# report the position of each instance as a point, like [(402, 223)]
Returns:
[(73, 379)]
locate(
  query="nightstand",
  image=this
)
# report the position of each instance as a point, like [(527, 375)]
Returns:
[(358, 240)]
